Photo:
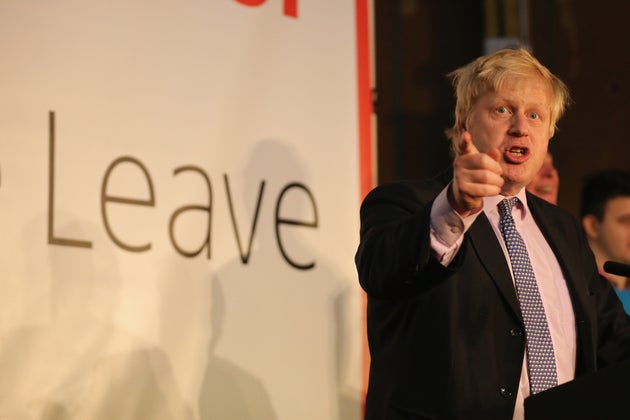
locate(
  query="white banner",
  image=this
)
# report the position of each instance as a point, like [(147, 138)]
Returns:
[(179, 192)]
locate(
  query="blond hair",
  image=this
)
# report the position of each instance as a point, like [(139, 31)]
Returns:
[(490, 71)]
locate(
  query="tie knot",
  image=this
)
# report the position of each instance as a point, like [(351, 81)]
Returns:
[(505, 206)]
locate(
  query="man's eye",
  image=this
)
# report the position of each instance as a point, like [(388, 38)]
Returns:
[(534, 115), (502, 110)]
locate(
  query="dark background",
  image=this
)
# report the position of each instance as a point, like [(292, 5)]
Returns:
[(417, 42)]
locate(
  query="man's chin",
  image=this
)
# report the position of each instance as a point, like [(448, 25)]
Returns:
[(517, 176), (512, 185)]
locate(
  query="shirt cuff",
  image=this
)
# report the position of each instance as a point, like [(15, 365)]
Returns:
[(448, 228)]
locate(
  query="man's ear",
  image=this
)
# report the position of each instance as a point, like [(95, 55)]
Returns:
[(590, 225)]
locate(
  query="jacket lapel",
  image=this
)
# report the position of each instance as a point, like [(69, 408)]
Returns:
[(491, 256), (554, 231)]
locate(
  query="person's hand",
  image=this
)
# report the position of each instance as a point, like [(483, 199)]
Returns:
[(475, 175)]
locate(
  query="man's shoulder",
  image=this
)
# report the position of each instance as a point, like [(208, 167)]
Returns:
[(551, 214), (541, 205), (422, 190)]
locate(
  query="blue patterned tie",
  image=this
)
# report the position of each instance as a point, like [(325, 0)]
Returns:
[(541, 364)]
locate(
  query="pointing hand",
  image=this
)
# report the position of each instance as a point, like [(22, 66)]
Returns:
[(475, 175)]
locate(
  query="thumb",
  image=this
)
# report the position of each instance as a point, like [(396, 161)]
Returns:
[(494, 153)]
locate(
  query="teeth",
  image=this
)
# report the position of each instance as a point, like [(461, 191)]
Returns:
[(517, 151)]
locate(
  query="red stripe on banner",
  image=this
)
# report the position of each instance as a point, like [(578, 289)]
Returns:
[(365, 97), (290, 8), (365, 141)]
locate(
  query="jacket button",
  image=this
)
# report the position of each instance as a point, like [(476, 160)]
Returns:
[(505, 392), (515, 332)]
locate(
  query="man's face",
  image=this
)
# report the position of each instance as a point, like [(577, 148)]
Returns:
[(546, 182), (516, 120), (613, 231)]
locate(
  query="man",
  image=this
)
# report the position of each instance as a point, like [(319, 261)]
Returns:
[(449, 337), (605, 214), (546, 182)]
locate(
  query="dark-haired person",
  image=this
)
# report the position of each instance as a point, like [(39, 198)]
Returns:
[(605, 214)]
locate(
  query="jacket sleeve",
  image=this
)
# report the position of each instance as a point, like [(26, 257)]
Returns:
[(394, 256)]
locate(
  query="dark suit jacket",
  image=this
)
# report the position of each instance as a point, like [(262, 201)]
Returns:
[(448, 342)]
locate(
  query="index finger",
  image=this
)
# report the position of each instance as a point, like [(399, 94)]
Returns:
[(466, 146)]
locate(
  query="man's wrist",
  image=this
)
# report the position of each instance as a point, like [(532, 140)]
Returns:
[(458, 209)]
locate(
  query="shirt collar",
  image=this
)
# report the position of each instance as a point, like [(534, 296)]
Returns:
[(490, 203)]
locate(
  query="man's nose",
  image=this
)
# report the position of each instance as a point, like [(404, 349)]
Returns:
[(519, 127)]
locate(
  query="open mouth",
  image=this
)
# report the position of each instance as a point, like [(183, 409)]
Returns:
[(516, 154)]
